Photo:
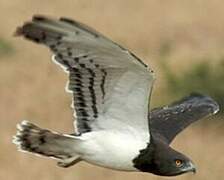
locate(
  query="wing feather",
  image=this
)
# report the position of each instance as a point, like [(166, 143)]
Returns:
[(110, 86), (170, 120)]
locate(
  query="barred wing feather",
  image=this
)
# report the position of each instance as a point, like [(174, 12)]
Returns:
[(110, 86)]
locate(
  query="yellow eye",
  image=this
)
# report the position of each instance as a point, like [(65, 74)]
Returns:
[(178, 162)]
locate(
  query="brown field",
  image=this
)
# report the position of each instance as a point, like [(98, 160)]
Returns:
[(33, 88)]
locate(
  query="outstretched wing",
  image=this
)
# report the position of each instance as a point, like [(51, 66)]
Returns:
[(110, 86), (170, 120)]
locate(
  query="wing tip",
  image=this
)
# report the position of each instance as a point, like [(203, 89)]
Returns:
[(200, 99), (24, 30), (214, 106), (18, 31), (207, 100)]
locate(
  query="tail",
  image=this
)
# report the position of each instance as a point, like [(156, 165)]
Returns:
[(31, 138)]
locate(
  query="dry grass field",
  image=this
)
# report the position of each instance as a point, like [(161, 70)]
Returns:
[(32, 87)]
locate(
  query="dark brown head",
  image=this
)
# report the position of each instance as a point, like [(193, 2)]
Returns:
[(160, 159)]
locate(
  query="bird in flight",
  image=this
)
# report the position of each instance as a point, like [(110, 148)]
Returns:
[(111, 90)]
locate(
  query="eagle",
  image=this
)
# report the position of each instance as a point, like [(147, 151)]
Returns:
[(111, 89)]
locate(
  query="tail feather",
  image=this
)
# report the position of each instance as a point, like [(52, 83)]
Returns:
[(31, 138)]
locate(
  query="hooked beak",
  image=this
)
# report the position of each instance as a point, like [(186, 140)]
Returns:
[(190, 168), (194, 170)]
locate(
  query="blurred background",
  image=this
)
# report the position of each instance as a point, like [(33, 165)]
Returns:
[(183, 41)]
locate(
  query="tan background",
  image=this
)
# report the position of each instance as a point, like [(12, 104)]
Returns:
[(31, 87)]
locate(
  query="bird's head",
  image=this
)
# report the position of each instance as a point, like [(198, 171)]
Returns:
[(160, 159)]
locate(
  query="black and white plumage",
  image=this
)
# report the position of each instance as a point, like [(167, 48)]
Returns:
[(111, 91)]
